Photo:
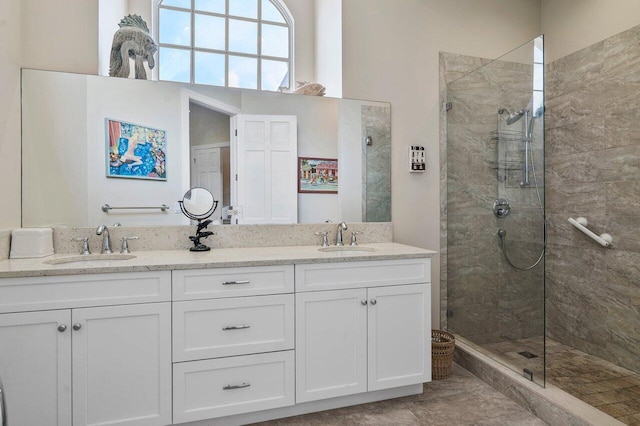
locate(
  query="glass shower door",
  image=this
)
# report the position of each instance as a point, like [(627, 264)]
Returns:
[(495, 208)]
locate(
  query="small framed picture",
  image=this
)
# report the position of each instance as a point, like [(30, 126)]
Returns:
[(317, 175), (135, 151)]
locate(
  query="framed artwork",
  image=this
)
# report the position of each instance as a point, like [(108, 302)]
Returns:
[(135, 151), (317, 175)]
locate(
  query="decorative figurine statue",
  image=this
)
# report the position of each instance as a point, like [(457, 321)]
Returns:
[(133, 41)]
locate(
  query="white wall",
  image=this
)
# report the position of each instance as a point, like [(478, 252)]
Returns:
[(328, 46), (109, 15), (60, 35), (571, 25), (11, 48), (390, 52), (54, 184), (304, 43)]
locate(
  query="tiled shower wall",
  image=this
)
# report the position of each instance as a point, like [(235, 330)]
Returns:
[(376, 179), (487, 300), (593, 170)]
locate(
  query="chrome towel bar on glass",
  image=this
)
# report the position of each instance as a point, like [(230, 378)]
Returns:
[(107, 207)]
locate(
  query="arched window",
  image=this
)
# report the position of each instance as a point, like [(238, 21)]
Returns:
[(233, 43)]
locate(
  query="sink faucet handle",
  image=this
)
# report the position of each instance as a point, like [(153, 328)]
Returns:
[(125, 244), (85, 244), (325, 239), (354, 241)]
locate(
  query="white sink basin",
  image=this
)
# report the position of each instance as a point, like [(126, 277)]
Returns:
[(347, 249), (89, 258)]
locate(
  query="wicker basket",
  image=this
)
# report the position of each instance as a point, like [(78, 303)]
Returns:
[(443, 345)]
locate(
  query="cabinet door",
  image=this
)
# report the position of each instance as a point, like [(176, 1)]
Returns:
[(35, 367), (399, 336), (122, 365), (331, 344)]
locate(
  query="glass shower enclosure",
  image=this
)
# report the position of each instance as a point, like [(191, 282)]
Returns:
[(495, 209)]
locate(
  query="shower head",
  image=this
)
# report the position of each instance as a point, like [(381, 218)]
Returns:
[(512, 118)]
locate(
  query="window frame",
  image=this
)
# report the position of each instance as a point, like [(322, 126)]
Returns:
[(278, 4)]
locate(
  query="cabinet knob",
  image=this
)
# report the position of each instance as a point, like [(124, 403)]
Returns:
[(77, 326), (364, 302), (62, 328), (374, 301)]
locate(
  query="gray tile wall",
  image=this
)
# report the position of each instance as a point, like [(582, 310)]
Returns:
[(376, 191), (593, 170)]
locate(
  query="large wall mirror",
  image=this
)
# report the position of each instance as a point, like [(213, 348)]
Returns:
[(66, 131)]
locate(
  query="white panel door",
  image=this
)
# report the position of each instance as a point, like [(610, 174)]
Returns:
[(206, 169), (122, 365), (399, 336), (265, 154), (331, 344), (35, 367)]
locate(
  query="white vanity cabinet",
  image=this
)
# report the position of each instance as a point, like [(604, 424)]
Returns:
[(226, 345), (84, 349), (233, 341), (361, 326)]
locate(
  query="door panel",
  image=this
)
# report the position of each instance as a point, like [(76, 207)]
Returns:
[(331, 344), (399, 336), (35, 366), (265, 153), (122, 365)]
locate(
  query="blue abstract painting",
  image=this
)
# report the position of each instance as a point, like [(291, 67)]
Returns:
[(136, 151)]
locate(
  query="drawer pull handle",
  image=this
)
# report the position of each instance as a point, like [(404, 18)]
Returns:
[(231, 387), (236, 282), (236, 327)]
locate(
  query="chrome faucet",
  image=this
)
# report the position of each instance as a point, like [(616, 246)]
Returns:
[(106, 241), (341, 227)]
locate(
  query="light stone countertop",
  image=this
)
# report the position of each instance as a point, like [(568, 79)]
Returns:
[(160, 260)]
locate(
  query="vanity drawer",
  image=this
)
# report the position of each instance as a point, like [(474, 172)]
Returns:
[(76, 291), (230, 282), (237, 326), (223, 387), (374, 273)]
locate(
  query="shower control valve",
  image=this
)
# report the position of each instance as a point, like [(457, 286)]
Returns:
[(501, 208)]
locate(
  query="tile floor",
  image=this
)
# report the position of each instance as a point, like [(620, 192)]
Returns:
[(462, 399), (606, 386)]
